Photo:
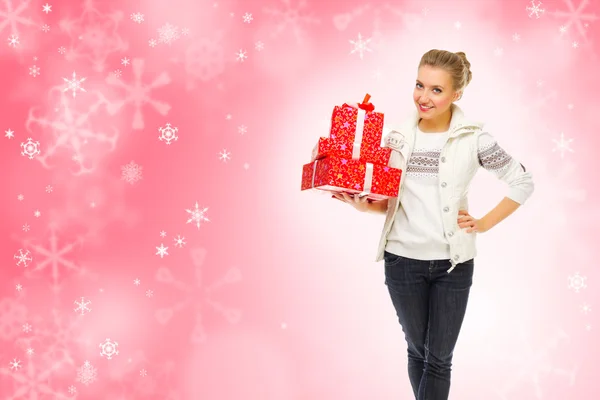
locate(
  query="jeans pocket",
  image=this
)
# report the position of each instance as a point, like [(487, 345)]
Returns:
[(391, 259)]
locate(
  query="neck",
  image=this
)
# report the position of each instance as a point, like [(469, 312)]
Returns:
[(439, 124)]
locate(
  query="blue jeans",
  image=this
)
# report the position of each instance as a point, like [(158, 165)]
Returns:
[(431, 305)]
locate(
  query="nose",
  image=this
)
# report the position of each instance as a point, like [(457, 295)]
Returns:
[(424, 100)]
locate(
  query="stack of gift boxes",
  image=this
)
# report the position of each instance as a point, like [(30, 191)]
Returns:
[(352, 158)]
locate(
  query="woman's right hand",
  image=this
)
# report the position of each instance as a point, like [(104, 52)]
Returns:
[(360, 203)]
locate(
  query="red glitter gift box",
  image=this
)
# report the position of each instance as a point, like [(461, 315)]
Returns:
[(354, 133), (335, 174)]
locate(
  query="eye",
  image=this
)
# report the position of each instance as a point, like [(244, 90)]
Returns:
[(418, 85), (439, 91)]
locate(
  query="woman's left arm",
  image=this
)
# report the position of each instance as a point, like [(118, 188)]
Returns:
[(494, 159)]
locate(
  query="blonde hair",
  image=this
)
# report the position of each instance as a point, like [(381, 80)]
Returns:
[(456, 64)]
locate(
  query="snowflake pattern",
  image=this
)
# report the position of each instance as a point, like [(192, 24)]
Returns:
[(137, 17), (13, 40), (109, 349), (87, 374), (12, 17), (162, 251), (197, 215), (562, 145), (83, 306), (168, 33), (168, 133), (224, 155), (198, 294), (72, 129), (23, 258), (576, 17), (360, 46), (131, 173), (93, 36), (577, 282), (138, 93), (53, 257), (30, 148), (535, 9), (74, 84), (179, 241), (293, 18), (32, 382)]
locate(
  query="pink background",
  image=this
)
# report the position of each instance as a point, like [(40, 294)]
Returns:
[(277, 295)]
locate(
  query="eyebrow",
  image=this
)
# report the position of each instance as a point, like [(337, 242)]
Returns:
[(441, 87)]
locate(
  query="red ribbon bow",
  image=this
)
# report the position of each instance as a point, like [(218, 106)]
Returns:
[(365, 105)]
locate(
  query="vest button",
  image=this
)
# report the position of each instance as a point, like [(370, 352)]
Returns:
[(456, 257), (443, 159), (450, 234), (446, 209), (444, 184)]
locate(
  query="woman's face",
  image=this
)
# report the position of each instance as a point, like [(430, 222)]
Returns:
[(433, 94)]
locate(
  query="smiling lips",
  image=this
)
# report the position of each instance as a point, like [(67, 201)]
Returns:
[(424, 108)]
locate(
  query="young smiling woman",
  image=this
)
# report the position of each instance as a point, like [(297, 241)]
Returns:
[(428, 227)]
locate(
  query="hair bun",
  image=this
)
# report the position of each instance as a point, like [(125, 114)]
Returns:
[(467, 65)]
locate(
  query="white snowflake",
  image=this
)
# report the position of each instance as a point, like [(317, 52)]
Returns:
[(137, 282), (30, 148), (138, 93), (143, 372), (291, 17), (49, 189), (19, 287), (30, 352), (259, 46), (109, 349), (13, 17), (9, 134), (47, 8), (535, 9), (562, 145), (74, 84), (94, 35), (224, 155), (149, 293), (242, 129), (34, 71), (131, 173), (247, 18), (516, 37), (27, 328), (83, 306), (168, 134), (137, 17), (13, 40), (54, 256), (168, 33), (241, 55), (577, 282), (117, 73), (87, 374), (45, 28), (197, 215), (125, 61), (152, 42), (20, 197), (576, 16), (162, 251), (360, 46), (37, 213), (23, 257), (62, 49), (26, 227), (72, 390), (192, 288), (15, 364), (185, 31), (179, 241), (73, 130)]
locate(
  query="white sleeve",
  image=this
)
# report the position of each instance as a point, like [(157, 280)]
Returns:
[(494, 159)]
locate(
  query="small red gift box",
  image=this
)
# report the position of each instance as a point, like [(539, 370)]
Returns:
[(367, 152), (354, 133), (335, 174)]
